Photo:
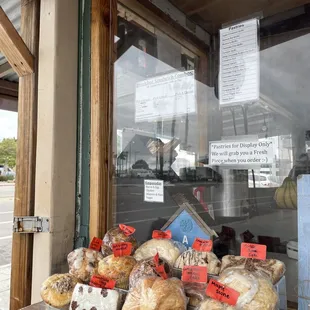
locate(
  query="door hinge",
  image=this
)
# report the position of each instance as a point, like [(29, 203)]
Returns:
[(31, 224)]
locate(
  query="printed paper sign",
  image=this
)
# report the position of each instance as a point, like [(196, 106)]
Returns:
[(102, 282), (166, 96), (127, 230), (154, 190), (202, 245), (222, 293), (196, 274), (159, 234), (252, 250), (239, 63), (241, 153), (96, 244), (121, 248)]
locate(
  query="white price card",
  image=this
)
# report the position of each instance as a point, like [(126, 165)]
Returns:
[(239, 63), (154, 190)]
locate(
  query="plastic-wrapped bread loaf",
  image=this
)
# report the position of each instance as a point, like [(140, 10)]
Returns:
[(167, 249), (195, 258), (146, 267), (156, 294), (118, 269), (83, 263), (274, 268)]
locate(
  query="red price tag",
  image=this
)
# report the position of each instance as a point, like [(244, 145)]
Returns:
[(127, 230), (156, 260), (202, 245), (102, 282), (196, 274), (96, 244), (161, 271), (222, 293), (121, 248), (159, 234), (252, 250)]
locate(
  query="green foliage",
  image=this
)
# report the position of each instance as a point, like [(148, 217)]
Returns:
[(8, 152), (5, 178)]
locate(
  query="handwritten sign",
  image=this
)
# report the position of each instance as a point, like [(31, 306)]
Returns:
[(156, 259), (222, 293), (159, 234), (127, 230), (96, 244), (196, 274), (121, 248), (252, 250), (161, 271), (202, 245), (102, 282)]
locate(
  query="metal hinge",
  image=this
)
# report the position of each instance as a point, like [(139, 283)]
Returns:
[(31, 224)]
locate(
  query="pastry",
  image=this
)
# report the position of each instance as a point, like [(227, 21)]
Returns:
[(92, 298), (195, 292), (195, 258), (211, 304), (146, 267), (57, 290), (115, 235), (83, 263), (118, 269), (156, 294), (106, 250), (274, 268), (164, 247)]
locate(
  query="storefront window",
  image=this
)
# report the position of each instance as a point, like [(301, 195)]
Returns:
[(236, 165)]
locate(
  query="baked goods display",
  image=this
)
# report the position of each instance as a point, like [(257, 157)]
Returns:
[(116, 235), (117, 268), (90, 298), (105, 250), (156, 294), (57, 290), (83, 263), (146, 268), (212, 304), (166, 249), (196, 293), (274, 268), (195, 258)]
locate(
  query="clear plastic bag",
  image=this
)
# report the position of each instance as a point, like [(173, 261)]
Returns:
[(196, 292), (154, 293), (167, 249)]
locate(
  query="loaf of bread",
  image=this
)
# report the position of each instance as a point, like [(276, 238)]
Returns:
[(211, 304), (57, 290), (106, 250), (146, 267), (118, 269), (195, 258), (195, 292), (156, 294), (116, 235), (164, 247), (274, 268), (83, 263), (91, 298)]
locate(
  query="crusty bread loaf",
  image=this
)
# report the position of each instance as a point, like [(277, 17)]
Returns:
[(156, 294), (274, 268)]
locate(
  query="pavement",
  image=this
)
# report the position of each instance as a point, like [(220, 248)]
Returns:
[(6, 220)]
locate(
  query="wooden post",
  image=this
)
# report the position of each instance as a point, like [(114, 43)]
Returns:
[(22, 244), (103, 25)]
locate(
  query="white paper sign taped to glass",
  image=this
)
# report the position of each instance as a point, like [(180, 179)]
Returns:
[(165, 96), (239, 63), (154, 190), (241, 153)]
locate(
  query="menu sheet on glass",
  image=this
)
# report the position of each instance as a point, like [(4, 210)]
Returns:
[(239, 63)]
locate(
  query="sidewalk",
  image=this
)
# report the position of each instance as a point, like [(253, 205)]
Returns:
[(5, 274), (7, 183)]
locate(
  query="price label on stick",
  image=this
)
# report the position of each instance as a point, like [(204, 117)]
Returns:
[(222, 293), (121, 249), (102, 282), (96, 244), (159, 234), (156, 259), (252, 250), (196, 274), (202, 245), (127, 230)]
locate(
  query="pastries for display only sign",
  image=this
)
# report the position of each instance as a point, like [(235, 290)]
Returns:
[(222, 293), (252, 250), (127, 230), (96, 244), (195, 274), (121, 249), (202, 245)]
